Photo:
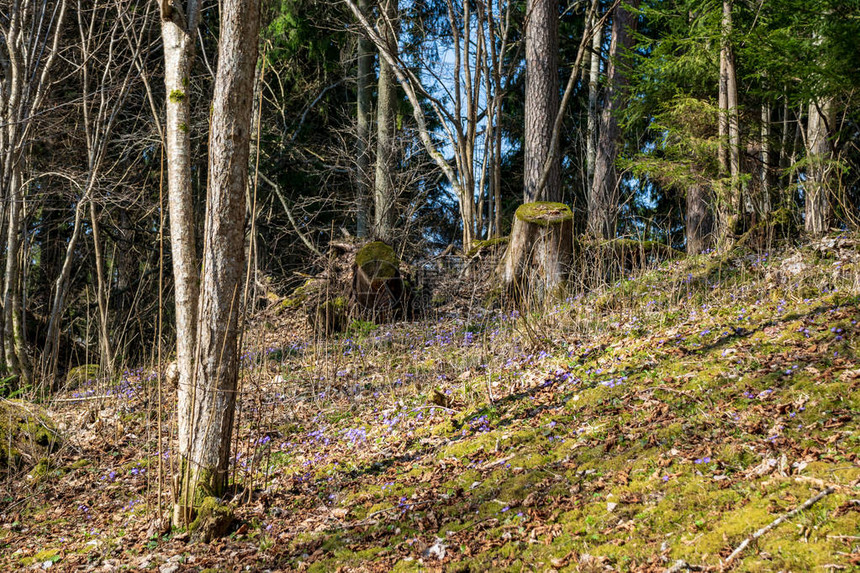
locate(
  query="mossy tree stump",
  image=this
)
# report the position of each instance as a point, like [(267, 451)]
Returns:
[(329, 315), (540, 252), (378, 289), (212, 520)]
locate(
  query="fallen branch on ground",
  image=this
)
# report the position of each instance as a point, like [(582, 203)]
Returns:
[(786, 516)]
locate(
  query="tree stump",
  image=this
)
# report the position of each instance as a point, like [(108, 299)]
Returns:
[(328, 316), (540, 253), (378, 289)]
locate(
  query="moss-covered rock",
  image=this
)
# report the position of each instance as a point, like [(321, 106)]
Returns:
[(299, 296), (26, 434)]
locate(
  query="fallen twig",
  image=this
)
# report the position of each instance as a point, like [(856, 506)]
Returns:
[(673, 390), (86, 398), (434, 407), (784, 517), (494, 463)]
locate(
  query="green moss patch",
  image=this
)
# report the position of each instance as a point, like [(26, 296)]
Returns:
[(26, 433), (488, 244), (378, 260), (544, 213), (213, 520), (81, 374)]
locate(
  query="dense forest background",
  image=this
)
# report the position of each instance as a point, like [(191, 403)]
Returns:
[(425, 124)]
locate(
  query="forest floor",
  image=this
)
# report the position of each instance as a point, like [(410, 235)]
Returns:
[(663, 419)]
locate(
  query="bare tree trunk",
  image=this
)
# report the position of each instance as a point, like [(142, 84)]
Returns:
[(497, 46), (765, 200), (31, 33), (384, 208), (541, 100), (14, 345), (204, 469), (699, 223), (363, 111), (178, 32), (723, 119), (100, 111), (52, 343), (734, 120), (729, 128), (816, 188), (101, 294), (593, 80), (603, 202), (783, 145)]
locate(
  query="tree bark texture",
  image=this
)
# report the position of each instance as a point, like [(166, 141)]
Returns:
[(729, 129), (540, 252), (178, 32), (764, 202), (204, 470), (699, 221), (13, 336), (816, 189), (364, 121), (386, 113), (593, 81), (541, 99), (603, 201)]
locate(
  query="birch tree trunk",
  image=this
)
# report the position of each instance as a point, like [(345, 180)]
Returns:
[(541, 100), (178, 31), (765, 202), (384, 213), (603, 201), (207, 443), (364, 120), (819, 151)]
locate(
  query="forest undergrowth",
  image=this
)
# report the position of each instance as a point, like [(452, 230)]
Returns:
[(654, 424)]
